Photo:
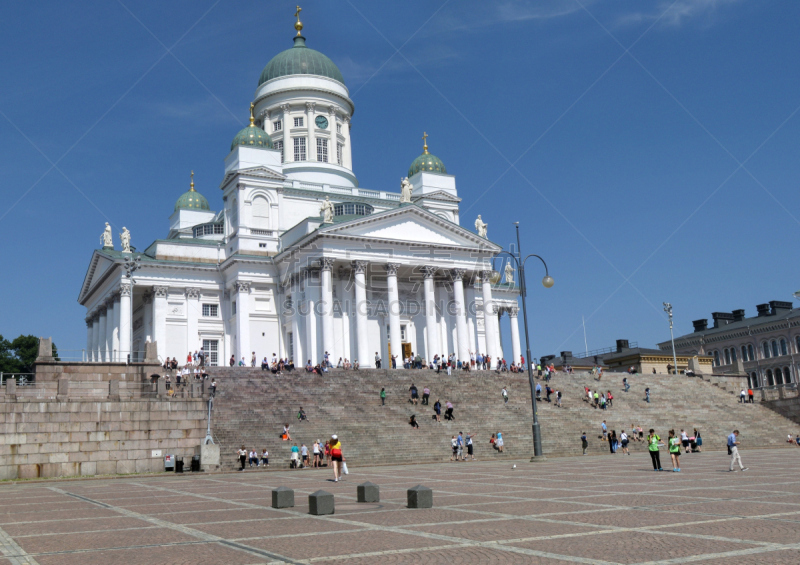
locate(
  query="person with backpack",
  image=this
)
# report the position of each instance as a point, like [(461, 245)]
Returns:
[(652, 446), (623, 438), (504, 394), (674, 443)]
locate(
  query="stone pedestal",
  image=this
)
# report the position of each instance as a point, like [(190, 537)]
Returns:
[(151, 352), (368, 492), (113, 390), (209, 457), (161, 388), (283, 497), (45, 349), (63, 390), (11, 389), (320, 503), (420, 497)]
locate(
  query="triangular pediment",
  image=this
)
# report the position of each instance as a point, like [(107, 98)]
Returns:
[(410, 225), (98, 267)]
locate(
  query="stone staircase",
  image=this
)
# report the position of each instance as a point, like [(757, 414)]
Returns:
[(251, 407)]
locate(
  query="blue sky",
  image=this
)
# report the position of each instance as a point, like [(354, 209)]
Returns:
[(649, 150)]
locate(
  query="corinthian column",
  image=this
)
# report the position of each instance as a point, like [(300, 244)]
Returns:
[(489, 318), (431, 331), (461, 310), (395, 339), (242, 320), (125, 322), (516, 348), (326, 308), (364, 358)]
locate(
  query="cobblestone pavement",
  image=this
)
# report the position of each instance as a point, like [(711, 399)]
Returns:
[(597, 510)]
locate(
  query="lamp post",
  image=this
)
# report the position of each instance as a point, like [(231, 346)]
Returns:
[(131, 265), (668, 310), (547, 282)]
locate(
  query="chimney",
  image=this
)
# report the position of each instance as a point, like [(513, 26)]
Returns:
[(721, 318), (738, 315), (700, 325), (778, 307), (622, 344), (763, 309)]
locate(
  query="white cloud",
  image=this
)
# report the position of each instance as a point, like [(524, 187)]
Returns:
[(679, 13)]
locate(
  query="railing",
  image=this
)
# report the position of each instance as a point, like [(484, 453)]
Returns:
[(603, 351), (113, 356), (255, 231), (778, 392), (353, 191), (23, 379)]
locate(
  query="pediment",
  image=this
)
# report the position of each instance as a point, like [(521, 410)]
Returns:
[(259, 172), (99, 266), (438, 195), (410, 225)]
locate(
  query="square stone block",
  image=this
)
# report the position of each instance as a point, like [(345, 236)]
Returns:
[(28, 472), (420, 497), (320, 503), (368, 492), (282, 497)]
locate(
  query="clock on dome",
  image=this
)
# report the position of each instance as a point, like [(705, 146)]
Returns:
[(322, 122)]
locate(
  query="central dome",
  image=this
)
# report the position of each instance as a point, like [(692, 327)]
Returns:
[(300, 60)]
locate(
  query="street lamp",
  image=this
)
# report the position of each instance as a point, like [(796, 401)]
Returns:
[(668, 310), (131, 265), (547, 282)]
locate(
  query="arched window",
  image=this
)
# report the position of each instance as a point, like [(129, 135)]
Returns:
[(784, 350), (727, 356), (765, 346), (787, 375), (744, 353), (770, 380), (753, 380), (774, 348), (778, 376), (260, 212), (797, 343), (733, 355), (716, 358), (751, 353)]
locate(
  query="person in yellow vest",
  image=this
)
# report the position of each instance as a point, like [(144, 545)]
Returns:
[(652, 445)]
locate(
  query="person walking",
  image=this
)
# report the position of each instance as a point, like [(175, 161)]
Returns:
[(336, 457), (437, 409), (242, 457), (468, 441), (674, 443), (652, 445), (605, 430), (612, 442), (316, 448), (685, 441), (750, 394), (584, 442), (499, 442), (698, 441), (454, 446), (383, 397), (733, 450), (426, 394), (647, 395), (623, 438), (504, 394)]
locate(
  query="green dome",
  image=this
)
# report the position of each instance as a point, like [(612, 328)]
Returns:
[(300, 60), (252, 136), (192, 200), (428, 163)]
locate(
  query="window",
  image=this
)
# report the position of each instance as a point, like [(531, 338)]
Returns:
[(233, 307), (733, 355), (787, 375), (403, 329), (208, 229), (299, 148), (727, 357), (235, 213), (716, 358), (352, 209), (322, 150), (279, 146), (797, 343), (744, 353), (262, 245), (277, 125), (765, 347), (752, 381), (770, 380), (750, 353), (210, 310), (339, 148), (298, 122), (778, 376), (338, 128), (784, 349), (774, 348), (260, 212), (211, 351)]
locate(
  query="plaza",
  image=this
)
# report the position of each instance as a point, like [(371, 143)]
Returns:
[(596, 509)]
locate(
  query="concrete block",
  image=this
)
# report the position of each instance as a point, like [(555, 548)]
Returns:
[(63, 389), (50, 470), (88, 468), (320, 503), (283, 497), (8, 472), (126, 467), (420, 497), (28, 472), (105, 467), (209, 457), (368, 492), (70, 470)]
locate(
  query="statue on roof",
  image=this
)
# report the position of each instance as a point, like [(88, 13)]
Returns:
[(509, 273), (106, 239), (125, 240), (327, 211), (481, 226), (405, 190)]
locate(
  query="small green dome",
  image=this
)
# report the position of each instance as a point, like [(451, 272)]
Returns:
[(192, 200), (252, 136), (300, 60), (427, 163)]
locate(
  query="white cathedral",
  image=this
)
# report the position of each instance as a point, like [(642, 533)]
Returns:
[(300, 260)]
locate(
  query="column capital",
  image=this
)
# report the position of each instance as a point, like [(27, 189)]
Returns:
[(193, 293), (326, 263), (429, 271), (458, 274), (125, 289), (286, 108), (310, 106), (513, 311), (360, 266), (160, 291), (391, 269), (241, 286), (332, 111), (102, 310), (89, 322), (486, 275), (114, 298)]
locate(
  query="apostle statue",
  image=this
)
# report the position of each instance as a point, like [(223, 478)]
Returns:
[(405, 190), (480, 226), (106, 239), (509, 274), (327, 211), (125, 240)]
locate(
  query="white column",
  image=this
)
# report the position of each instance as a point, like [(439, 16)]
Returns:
[(445, 323), (347, 157), (326, 309), (297, 341), (364, 358), (346, 304), (113, 328), (160, 319), (125, 342), (312, 143), (395, 339), (96, 338), (311, 291), (489, 327), (431, 329), (147, 317), (499, 342), (192, 319), (102, 342), (242, 321), (516, 348), (288, 144), (461, 320), (89, 339)]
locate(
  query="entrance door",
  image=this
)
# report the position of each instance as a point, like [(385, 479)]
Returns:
[(406, 350), (211, 352)]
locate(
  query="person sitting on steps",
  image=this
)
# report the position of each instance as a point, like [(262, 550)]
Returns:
[(413, 421)]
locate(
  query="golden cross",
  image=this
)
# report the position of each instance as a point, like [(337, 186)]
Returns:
[(297, 13), (425, 141), (298, 25), (191, 185), (251, 113)]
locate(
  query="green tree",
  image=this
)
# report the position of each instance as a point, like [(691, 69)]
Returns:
[(19, 355)]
